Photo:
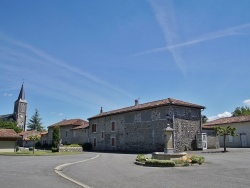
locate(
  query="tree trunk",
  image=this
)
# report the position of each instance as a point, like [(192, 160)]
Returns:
[(33, 147), (225, 143)]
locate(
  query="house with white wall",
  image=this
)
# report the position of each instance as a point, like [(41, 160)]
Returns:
[(242, 125)]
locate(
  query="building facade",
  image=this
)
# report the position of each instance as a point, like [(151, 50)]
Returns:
[(242, 125), (72, 131), (139, 127), (19, 114)]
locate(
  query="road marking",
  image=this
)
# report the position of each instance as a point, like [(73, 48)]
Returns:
[(58, 170)]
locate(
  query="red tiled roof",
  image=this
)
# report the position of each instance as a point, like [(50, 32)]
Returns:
[(168, 101), (83, 126), (73, 122), (226, 120), (8, 133)]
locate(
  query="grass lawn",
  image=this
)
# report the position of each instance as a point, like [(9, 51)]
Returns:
[(38, 153)]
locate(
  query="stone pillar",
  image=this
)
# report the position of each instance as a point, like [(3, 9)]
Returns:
[(168, 140)]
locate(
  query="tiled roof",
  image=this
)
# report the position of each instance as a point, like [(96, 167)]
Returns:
[(8, 133), (226, 120), (44, 133), (73, 122), (26, 132), (164, 102), (83, 126)]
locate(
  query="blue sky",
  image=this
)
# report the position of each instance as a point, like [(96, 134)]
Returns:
[(78, 56)]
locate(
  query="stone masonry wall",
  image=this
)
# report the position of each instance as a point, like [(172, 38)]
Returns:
[(141, 131)]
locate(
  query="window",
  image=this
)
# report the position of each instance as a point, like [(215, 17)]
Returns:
[(66, 133), (113, 142), (94, 128), (102, 134), (94, 142), (113, 126)]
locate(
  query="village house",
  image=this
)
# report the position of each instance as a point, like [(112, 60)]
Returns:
[(72, 131), (242, 125), (24, 140), (139, 127), (8, 140)]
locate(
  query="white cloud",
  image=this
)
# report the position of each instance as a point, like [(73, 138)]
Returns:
[(60, 114), (165, 16), (225, 114), (7, 94), (247, 102)]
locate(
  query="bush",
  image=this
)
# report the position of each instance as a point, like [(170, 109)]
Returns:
[(163, 163), (72, 145), (54, 149), (87, 146), (30, 148), (141, 158), (197, 159)]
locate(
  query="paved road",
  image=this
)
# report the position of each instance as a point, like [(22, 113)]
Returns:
[(230, 169), (36, 171)]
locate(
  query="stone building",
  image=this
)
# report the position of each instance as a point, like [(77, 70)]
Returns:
[(139, 127), (72, 131), (19, 114)]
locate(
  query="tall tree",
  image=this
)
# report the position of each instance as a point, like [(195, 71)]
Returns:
[(56, 136), (239, 111), (35, 122), (204, 119), (224, 131), (10, 125)]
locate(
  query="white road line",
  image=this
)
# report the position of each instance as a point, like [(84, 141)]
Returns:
[(58, 170)]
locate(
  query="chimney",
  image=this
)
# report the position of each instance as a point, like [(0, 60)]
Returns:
[(101, 110), (136, 102)]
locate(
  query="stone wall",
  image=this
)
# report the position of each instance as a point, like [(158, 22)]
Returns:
[(141, 131), (70, 149)]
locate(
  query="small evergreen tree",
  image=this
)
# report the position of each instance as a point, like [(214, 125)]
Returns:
[(35, 122), (56, 136), (204, 119), (224, 131)]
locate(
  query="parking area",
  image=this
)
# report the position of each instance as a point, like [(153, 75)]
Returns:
[(230, 169)]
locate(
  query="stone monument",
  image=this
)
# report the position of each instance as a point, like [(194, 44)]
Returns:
[(169, 152)]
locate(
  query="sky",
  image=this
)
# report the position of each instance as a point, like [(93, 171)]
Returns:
[(75, 57)]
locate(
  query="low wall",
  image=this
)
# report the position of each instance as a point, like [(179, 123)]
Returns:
[(70, 149), (213, 142)]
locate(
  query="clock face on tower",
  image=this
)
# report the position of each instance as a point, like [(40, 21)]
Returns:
[(23, 107)]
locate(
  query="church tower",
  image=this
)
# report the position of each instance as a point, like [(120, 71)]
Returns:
[(20, 110)]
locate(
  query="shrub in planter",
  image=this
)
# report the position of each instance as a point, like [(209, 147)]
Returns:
[(140, 158), (87, 146), (163, 163), (197, 159)]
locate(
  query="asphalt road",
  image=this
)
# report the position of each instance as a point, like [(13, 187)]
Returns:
[(231, 169)]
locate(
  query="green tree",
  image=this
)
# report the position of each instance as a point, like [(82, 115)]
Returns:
[(224, 131), (34, 139), (35, 122), (204, 119), (10, 125), (240, 111), (56, 136)]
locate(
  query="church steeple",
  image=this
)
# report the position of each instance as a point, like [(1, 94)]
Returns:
[(20, 109), (21, 95)]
